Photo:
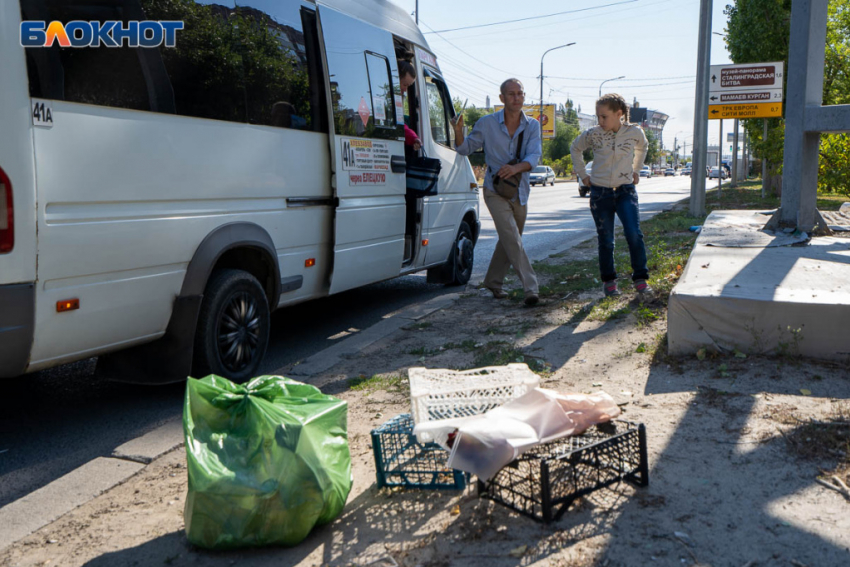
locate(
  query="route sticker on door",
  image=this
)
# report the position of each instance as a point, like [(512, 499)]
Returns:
[(364, 111), (42, 113), (380, 109), (371, 157)]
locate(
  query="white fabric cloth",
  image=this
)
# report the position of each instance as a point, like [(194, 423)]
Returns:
[(485, 443)]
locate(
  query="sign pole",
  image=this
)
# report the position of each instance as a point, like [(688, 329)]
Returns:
[(735, 156), (764, 159), (697, 204), (720, 164)]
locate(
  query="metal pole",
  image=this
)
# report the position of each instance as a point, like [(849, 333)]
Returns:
[(735, 156), (541, 98), (746, 154), (697, 206), (417, 12), (675, 152), (607, 80), (764, 159), (541, 85), (720, 164)]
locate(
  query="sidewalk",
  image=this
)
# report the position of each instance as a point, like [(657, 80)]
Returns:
[(733, 460)]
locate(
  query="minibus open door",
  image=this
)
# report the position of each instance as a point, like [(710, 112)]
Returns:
[(367, 145)]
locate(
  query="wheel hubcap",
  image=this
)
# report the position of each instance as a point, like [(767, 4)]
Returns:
[(464, 254), (238, 332)]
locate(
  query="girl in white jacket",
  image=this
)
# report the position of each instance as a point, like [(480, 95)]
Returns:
[(619, 149)]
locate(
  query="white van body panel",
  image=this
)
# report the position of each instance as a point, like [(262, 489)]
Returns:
[(380, 14), (16, 157), (118, 228)]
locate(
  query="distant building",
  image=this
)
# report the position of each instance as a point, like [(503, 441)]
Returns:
[(651, 120), (586, 121)]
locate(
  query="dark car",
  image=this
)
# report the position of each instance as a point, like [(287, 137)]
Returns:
[(582, 189), (542, 174)]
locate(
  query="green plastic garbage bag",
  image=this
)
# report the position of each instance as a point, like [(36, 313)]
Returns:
[(267, 461)]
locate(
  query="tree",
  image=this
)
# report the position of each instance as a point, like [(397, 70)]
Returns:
[(559, 146), (759, 30), (653, 151)]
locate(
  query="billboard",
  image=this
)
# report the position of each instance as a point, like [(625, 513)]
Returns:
[(533, 111)]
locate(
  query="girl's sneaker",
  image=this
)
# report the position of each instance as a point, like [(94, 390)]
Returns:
[(642, 287), (610, 288)]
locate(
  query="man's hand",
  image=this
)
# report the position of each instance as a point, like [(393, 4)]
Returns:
[(457, 124), (508, 171), (586, 180), (636, 177)]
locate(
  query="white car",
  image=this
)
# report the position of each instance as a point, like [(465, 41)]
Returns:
[(645, 171), (583, 190), (541, 175)]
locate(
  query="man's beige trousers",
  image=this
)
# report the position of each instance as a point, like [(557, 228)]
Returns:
[(509, 218)]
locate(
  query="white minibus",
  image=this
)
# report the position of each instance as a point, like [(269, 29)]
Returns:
[(158, 202)]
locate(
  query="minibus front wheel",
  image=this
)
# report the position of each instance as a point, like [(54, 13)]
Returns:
[(233, 326)]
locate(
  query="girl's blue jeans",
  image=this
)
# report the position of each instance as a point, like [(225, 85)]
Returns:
[(622, 201)]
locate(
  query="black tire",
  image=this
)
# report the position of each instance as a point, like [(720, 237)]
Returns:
[(458, 268), (233, 327)]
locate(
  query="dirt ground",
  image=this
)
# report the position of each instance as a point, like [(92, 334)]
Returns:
[(733, 458)]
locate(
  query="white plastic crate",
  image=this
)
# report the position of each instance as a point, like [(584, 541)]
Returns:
[(439, 393)]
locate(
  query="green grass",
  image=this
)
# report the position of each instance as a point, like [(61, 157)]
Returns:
[(394, 383), (748, 196), (500, 353)]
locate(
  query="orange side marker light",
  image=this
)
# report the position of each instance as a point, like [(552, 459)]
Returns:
[(309, 262), (67, 305), (425, 242)]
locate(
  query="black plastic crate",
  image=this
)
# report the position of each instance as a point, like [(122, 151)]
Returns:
[(543, 482), (402, 461)]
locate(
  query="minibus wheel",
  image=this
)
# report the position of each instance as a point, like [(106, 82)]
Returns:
[(463, 255), (233, 326)]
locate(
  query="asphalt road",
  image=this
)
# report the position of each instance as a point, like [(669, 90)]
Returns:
[(59, 419)]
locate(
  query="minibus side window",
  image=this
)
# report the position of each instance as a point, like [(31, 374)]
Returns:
[(101, 76), (248, 63), (278, 55), (363, 79), (383, 108), (440, 111)]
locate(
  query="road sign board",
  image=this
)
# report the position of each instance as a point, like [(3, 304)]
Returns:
[(746, 77), (729, 97), (745, 110)]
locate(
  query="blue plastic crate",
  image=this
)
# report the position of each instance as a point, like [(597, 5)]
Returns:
[(401, 461)]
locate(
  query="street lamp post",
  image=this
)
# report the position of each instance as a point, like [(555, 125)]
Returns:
[(607, 80), (541, 83)]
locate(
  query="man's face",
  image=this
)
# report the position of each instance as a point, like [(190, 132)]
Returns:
[(406, 81), (513, 97)]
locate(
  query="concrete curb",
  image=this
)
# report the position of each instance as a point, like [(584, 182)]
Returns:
[(47, 504), (151, 445), (32, 512), (331, 356)]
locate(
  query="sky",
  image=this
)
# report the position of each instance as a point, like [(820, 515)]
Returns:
[(652, 43)]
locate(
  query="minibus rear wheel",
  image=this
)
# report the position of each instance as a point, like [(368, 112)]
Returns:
[(233, 326)]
